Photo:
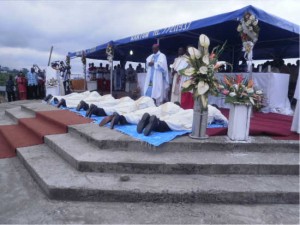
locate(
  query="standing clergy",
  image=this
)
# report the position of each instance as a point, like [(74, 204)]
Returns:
[(179, 63), (157, 79)]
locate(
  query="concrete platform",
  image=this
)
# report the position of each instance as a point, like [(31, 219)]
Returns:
[(214, 175), (25, 203), (61, 181), (87, 157)]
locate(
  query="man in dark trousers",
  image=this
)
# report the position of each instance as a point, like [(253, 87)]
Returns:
[(10, 89), (32, 84)]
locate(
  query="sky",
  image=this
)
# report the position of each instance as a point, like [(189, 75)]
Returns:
[(28, 29)]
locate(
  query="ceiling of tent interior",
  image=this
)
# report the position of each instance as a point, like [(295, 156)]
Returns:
[(277, 38)]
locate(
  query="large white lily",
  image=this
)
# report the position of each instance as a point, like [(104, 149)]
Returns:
[(232, 94), (202, 87), (189, 71), (204, 41), (205, 59), (203, 70), (194, 53)]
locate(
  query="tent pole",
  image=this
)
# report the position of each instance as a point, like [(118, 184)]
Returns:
[(50, 55), (157, 41), (111, 75), (232, 61)]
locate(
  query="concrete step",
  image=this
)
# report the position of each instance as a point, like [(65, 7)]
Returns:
[(37, 107), (5, 120), (105, 138), (88, 158), (17, 113), (61, 181)]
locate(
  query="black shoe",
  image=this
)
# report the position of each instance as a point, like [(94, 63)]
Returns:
[(82, 105), (85, 106), (62, 103), (115, 120), (151, 125), (48, 97), (92, 111), (88, 112), (143, 123), (55, 100), (123, 120)]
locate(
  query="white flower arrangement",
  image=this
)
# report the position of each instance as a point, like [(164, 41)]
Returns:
[(202, 66)]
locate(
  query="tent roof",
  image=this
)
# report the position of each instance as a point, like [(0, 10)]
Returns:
[(277, 38)]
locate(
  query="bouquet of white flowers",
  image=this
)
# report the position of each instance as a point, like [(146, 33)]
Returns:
[(202, 66)]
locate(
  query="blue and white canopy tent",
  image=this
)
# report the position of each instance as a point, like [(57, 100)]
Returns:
[(277, 38)]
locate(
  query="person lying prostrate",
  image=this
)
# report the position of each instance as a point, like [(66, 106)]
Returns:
[(122, 107), (72, 100), (182, 120), (134, 117), (166, 117)]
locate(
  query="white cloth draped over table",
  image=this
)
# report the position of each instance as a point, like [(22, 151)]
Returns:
[(180, 63), (160, 77), (141, 81), (296, 119), (275, 88)]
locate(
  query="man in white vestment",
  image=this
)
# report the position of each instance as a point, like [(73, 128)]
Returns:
[(157, 79), (179, 63)]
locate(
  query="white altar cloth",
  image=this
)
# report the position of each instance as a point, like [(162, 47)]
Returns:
[(141, 81), (274, 85)]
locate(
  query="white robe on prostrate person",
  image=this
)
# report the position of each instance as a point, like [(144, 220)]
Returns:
[(296, 118), (183, 120), (175, 117), (180, 63), (127, 105), (160, 77), (73, 99), (165, 109)]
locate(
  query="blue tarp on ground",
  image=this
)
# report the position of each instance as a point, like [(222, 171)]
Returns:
[(278, 37), (155, 139)]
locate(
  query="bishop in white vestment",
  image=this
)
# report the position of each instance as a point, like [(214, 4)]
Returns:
[(157, 79)]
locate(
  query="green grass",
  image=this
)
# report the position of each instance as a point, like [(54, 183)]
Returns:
[(4, 77)]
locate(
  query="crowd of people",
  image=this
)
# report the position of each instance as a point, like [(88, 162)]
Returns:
[(123, 79), (26, 86)]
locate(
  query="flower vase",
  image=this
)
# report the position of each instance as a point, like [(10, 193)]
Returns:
[(200, 118), (239, 122)]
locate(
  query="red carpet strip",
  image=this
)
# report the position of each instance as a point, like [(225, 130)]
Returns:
[(31, 131), (264, 124)]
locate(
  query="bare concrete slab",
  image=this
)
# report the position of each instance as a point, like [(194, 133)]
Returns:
[(38, 107), (17, 113), (22, 202), (46, 167), (106, 138), (86, 157)]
